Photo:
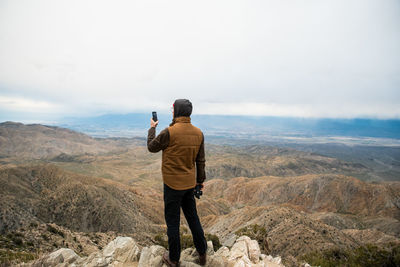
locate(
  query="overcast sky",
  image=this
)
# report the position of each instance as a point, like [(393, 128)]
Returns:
[(308, 58)]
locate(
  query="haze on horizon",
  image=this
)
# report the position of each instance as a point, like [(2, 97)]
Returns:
[(330, 58)]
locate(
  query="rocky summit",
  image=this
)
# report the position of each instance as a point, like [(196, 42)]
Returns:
[(125, 251)]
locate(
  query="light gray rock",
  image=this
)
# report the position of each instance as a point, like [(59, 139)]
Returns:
[(239, 250), (151, 256), (124, 252), (229, 240), (59, 258), (121, 249), (222, 252), (254, 250), (210, 248)]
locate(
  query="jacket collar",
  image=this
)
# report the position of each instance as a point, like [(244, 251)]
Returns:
[(182, 119)]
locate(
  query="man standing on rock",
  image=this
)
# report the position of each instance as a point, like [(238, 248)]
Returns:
[(183, 148)]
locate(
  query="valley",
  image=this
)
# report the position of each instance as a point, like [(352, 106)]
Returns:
[(59, 186)]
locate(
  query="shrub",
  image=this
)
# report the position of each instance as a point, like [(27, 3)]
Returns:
[(18, 241), (7, 257), (215, 240), (255, 232), (45, 237), (366, 255), (54, 230), (160, 239), (186, 241)]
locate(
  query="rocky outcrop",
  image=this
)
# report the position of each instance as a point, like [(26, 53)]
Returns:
[(124, 251)]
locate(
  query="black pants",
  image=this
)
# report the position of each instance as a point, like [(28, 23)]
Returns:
[(173, 201)]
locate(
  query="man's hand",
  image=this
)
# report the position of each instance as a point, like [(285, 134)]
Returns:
[(197, 190), (153, 123)]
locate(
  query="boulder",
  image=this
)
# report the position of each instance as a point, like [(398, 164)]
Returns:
[(60, 258), (151, 256), (124, 252), (121, 249)]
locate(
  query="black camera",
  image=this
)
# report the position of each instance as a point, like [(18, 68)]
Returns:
[(197, 191)]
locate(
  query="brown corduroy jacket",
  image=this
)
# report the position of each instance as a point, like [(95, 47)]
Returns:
[(183, 159)]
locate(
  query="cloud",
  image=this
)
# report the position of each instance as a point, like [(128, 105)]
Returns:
[(29, 105), (313, 58)]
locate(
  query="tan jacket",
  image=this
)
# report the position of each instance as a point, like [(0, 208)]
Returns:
[(183, 152)]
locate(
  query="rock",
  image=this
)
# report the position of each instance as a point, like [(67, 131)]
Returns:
[(210, 248), (277, 260), (124, 252), (189, 255), (59, 258), (121, 249), (223, 252), (254, 251), (151, 256), (239, 249), (95, 259), (229, 240), (188, 264)]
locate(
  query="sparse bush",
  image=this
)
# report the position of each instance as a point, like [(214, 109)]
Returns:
[(161, 239), (7, 257), (54, 230), (256, 232), (17, 234), (186, 241), (18, 241), (366, 255), (215, 240), (45, 237)]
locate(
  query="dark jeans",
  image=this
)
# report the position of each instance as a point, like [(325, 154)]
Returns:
[(173, 201)]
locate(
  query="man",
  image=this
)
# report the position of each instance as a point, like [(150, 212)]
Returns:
[(183, 147)]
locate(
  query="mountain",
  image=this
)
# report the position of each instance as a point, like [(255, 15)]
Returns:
[(311, 193), (35, 141), (259, 160), (48, 194), (302, 214), (61, 188), (230, 125)]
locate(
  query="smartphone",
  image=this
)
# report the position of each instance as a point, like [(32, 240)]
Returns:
[(154, 116)]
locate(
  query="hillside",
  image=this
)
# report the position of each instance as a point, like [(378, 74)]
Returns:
[(260, 160), (46, 193), (311, 193), (299, 215), (60, 187), (35, 141)]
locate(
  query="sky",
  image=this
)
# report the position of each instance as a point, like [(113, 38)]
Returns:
[(301, 58)]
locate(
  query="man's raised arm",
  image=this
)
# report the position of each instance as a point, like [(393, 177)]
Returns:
[(155, 144)]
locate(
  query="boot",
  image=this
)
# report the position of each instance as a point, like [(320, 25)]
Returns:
[(168, 262), (203, 259)]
